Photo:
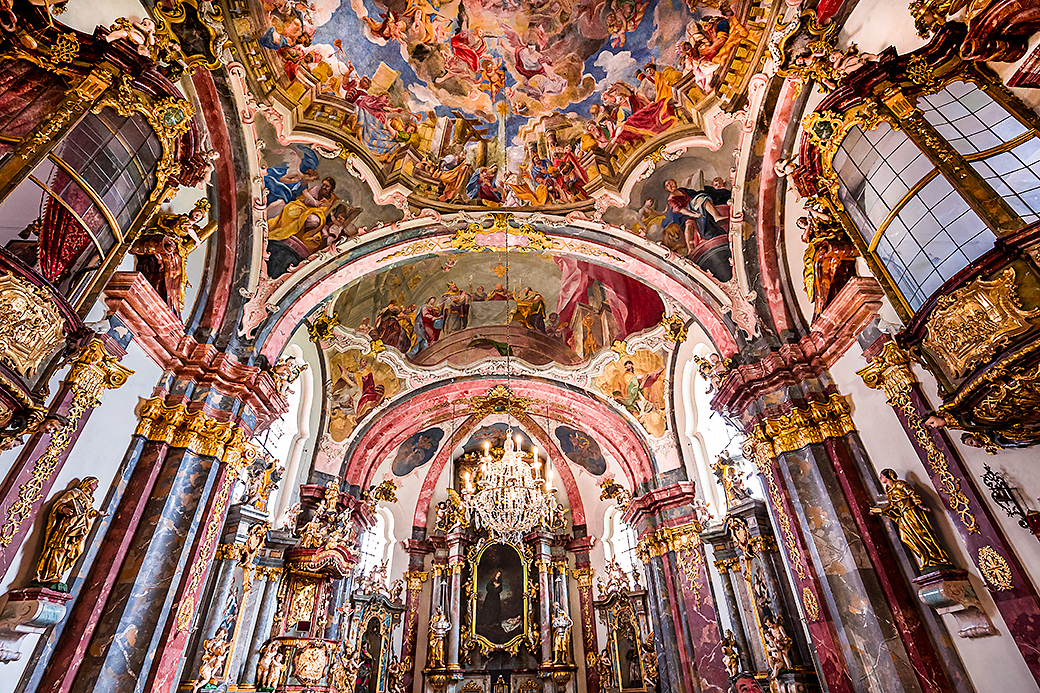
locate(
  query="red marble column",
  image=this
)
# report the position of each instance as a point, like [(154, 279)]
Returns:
[(583, 574), (671, 547), (414, 580), (1011, 589), (29, 482)]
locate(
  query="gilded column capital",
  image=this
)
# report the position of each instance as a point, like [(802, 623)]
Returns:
[(801, 426), (414, 579), (95, 370), (197, 431), (583, 576), (889, 372)]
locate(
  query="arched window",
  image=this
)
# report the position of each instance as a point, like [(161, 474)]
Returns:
[(619, 541), (912, 218), (377, 544)]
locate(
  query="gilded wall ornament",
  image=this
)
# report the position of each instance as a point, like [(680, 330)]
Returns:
[(890, 372), (92, 373), (973, 323), (310, 663), (32, 327), (812, 607), (995, 568)]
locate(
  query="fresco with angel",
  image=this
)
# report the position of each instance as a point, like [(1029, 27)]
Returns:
[(506, 102)]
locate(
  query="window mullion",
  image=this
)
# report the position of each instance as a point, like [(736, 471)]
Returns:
[(983, 199)]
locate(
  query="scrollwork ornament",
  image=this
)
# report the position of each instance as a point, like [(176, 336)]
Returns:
[(995, 569)]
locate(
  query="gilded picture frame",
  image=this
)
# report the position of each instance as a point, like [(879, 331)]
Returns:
[(383, 625), (500, 595), (626, 650)]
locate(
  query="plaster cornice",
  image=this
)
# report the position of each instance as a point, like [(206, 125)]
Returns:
[(160, 334), (832, 335)]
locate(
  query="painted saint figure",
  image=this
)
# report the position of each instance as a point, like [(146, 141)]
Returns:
[(695, 213)]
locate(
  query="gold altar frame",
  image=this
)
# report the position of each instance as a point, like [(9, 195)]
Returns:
[(382, 660), (474, 639), (621, 613)]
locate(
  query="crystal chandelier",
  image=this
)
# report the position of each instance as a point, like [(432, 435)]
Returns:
[(509, 497)]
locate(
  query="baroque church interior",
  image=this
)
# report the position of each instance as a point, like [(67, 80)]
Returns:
[(520, 346)]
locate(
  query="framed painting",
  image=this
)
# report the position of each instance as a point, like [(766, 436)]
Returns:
[(499, 597)]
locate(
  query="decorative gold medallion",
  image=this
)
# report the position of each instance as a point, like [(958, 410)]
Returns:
[(812, 607), (995, 568)]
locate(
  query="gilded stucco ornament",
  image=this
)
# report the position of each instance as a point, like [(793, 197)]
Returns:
[(995, 569), (611, 490), (973, 323), (32, 327), (890, 372), (675, 329)]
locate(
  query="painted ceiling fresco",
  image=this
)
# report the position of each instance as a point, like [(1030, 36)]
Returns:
[(494, 103), (458, 308)]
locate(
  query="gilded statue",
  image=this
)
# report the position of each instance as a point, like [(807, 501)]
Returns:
[(68, 522), (439, 627), (216, 649), (830, 258), (561, 634), (731, 654), (395, 672), (907, 510), (162, 251)]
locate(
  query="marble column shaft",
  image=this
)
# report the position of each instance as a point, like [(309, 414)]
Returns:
[(144, 461), (545, 598), (213, 609), (691, 601), (739, 634), (454, 597), (261, 629), (865, 634), (590, 639), (671, 673)]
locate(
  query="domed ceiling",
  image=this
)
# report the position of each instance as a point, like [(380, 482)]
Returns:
[(514, 103), (538, 195)]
